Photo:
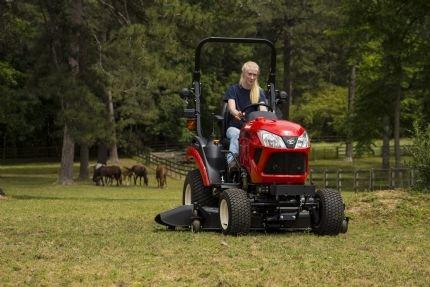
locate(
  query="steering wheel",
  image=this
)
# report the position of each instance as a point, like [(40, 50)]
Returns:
[(257, 105), (247, 115)]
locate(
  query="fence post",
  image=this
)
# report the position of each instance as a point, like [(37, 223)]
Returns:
[(339, 179), (412, 177), (371, 179), (391, 177), (325, 178), (355, 180), (400, 178)]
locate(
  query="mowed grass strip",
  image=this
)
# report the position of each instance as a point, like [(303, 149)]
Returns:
[(105, 236)]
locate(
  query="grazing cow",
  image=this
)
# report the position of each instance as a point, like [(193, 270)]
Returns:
[(161, 175), (106, 174), (127, 174), (140, 171)]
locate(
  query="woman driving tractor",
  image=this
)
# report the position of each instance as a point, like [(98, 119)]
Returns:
[(239, 96)]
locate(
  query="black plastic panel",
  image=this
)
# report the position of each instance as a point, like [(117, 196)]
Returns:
[(286, 163)]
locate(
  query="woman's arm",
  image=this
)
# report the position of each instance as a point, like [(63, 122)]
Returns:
[(233, 111)]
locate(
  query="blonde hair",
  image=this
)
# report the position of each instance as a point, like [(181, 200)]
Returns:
[(254, 95)]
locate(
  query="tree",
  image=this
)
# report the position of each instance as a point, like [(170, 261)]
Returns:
[(391, 32), (324, 112)]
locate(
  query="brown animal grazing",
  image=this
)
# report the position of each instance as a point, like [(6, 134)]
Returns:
[(127, 174), (140, 171), (161, 175), (106, 174)]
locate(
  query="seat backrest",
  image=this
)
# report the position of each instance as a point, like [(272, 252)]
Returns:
[(226, 114), (223, 121)]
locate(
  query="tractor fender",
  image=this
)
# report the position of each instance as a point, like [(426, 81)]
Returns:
[(192, 152), (210, 174)]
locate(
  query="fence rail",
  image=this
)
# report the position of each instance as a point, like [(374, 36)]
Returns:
[(340, 179), (339, 152), (363, 179)]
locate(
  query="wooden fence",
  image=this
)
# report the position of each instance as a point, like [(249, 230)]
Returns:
[(363, 179), (340, 179), (339, 152)]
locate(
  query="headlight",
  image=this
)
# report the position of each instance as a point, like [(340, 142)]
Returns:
[(271, 140), (303, 141)]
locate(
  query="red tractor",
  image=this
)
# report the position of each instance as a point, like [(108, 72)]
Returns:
[(269, 190)]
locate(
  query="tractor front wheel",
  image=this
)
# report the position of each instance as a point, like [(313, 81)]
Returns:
[(330, 213), (235, 212)]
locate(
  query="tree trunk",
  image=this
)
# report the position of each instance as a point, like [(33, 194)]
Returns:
[(397, 127), (351, 96), (67, 154), (84, 156), (113, 148), (102, 153), (287, 73), (386, 143), (4, 147)]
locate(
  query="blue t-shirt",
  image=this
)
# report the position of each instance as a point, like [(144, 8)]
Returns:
[(241, 96)]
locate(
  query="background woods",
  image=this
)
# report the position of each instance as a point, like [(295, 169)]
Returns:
[(104, 74)]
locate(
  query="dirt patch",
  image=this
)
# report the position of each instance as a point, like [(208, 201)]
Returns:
[(391, 198), (384, 199)]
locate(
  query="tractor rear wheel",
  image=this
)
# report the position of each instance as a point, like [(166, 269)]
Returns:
[(195, 192), (235, 212), (330, 213)]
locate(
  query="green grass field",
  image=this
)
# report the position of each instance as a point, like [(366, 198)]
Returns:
[(76, 235)]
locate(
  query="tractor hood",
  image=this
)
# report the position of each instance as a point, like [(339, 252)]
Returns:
[(279, 127)]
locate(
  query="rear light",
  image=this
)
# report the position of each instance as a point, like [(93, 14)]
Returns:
[(191, 124)]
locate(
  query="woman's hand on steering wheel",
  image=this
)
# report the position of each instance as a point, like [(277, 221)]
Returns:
[(238, 115)]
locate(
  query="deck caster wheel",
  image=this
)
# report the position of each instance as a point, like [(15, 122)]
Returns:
[(344, 227), (196, 226), (169, 227)]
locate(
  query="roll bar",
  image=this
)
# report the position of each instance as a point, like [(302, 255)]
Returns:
[(197, 73), (272, 72)]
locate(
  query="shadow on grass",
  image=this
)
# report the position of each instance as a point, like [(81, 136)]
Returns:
[(253, 232)]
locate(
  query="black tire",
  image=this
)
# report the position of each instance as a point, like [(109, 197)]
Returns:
[(235, 212), (331, 213), (194, 191), (196, 226)]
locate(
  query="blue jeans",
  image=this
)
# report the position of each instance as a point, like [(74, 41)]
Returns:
[(233, 135)]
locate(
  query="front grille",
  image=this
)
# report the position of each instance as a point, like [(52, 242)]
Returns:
[(286, 163)]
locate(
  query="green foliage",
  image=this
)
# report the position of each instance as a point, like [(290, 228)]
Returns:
[(388, 40), (134, 49), (420, 152), (323, 112)]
